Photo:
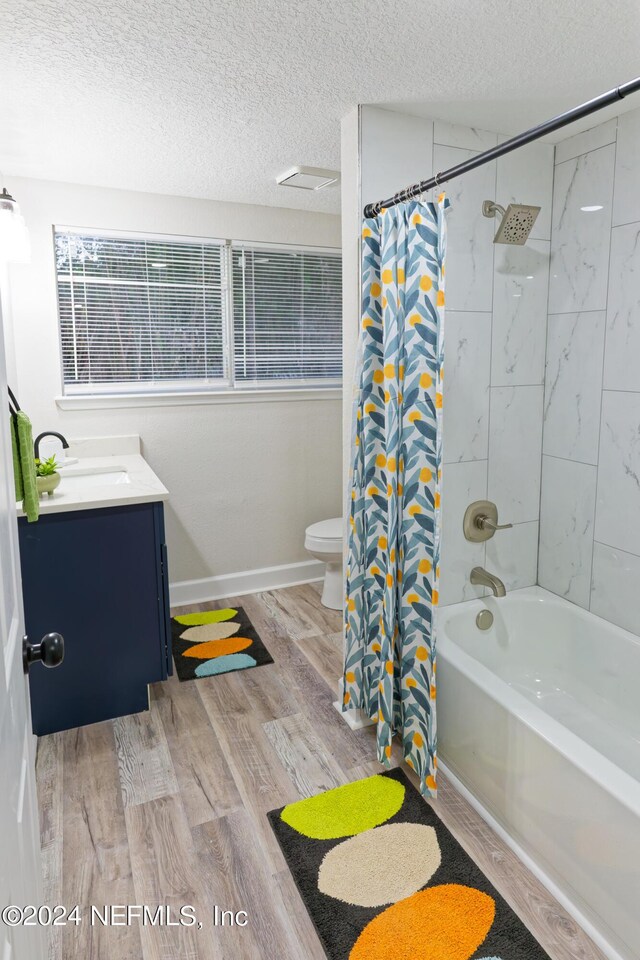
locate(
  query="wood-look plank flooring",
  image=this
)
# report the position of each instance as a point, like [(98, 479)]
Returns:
[(168, 806)]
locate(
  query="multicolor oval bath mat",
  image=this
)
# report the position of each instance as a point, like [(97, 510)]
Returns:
[(383, 879), (216, 641)]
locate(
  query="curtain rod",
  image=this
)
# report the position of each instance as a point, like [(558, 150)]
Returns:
[(604, 100)]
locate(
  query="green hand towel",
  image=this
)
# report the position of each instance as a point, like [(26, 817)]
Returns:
[(30, 501), (17, 469)]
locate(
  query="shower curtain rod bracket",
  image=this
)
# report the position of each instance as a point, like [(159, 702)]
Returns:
[(534, 133)]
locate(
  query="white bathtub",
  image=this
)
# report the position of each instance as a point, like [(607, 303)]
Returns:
[(539, 719)]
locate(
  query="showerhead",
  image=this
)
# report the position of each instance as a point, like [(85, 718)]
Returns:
[(517, 221)]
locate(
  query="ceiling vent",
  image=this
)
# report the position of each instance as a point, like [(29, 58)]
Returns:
[(308, 178)]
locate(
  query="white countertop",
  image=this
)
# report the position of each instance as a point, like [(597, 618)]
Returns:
[(130, 480)]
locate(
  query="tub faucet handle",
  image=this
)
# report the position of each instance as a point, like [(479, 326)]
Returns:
[(486, 523), (481, 521)]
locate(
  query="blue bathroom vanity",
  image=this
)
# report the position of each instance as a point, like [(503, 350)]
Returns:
[(97, 575)]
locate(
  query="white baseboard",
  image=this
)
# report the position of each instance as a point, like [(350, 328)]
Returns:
[(248, 581), (565, 901)]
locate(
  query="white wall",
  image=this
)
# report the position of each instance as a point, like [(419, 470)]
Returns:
[(5, 307), (245, 478), (590, 521), (495, 329), (351, 227)]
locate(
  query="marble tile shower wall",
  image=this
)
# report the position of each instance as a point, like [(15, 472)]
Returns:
[(496, 332), (590, 506)]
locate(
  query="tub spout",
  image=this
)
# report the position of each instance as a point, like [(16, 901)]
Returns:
[(483, 578)]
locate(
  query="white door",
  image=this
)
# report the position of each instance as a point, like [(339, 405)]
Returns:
[(20, 864)]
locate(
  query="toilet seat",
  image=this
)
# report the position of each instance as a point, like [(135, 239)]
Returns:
[(325, 537)]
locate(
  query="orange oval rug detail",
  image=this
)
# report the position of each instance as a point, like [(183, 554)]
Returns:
[(447, 922), (218, 648)]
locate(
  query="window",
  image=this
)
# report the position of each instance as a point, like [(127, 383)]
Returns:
[(137, 312), (165, 314), (287, 315)]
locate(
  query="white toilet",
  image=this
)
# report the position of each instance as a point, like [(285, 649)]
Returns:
[(323, 540)]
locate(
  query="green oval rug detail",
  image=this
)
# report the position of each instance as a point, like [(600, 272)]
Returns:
[(346, 810)]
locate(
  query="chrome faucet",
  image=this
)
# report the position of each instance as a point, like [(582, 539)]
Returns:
[(48, 433), (482, 577)]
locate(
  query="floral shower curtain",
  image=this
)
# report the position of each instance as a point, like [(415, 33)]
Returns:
[(394, 538)]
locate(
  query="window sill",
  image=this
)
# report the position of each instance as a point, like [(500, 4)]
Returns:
[(195, 398)]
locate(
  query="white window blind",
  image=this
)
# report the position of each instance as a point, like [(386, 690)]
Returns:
[(287, 315), (139, 312), (145, 313)]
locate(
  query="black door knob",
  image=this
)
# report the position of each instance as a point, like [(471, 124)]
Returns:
[(50, 651)]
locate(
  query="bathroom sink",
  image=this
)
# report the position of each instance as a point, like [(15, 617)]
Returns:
[(79, 478)]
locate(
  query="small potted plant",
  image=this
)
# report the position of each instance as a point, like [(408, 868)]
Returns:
[(47, 476)]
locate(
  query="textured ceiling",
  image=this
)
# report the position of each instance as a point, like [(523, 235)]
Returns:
[(212, 98)]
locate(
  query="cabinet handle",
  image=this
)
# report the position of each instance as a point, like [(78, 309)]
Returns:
[(50, 651)]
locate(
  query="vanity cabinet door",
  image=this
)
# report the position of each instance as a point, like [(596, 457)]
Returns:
[(96, 577)]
